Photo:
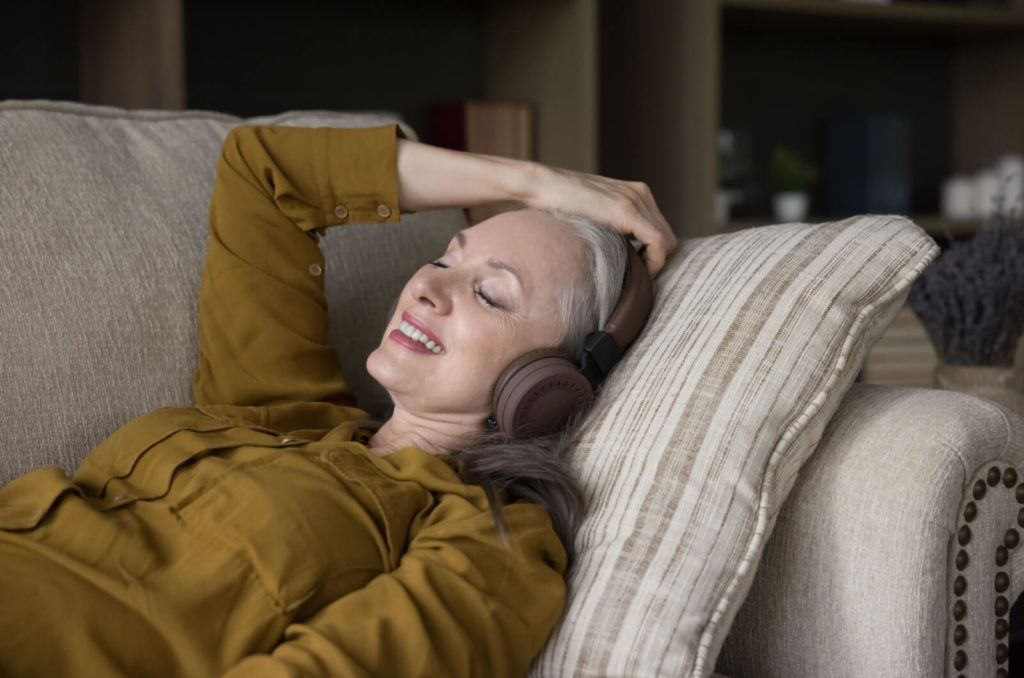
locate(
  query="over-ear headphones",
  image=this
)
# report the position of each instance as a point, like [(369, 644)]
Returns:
[(541, 391)]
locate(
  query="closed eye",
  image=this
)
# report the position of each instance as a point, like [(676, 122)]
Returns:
[(488, 300)]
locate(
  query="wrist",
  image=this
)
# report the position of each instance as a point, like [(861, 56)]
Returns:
[(526, 184), (430, 178), (507, 180)]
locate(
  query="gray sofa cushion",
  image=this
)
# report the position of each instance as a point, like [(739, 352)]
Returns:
[(857, 579), (102, 237)]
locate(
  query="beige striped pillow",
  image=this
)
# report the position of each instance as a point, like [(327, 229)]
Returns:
[(692, 448)]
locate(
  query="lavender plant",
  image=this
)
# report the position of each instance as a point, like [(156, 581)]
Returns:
[(971, 298)]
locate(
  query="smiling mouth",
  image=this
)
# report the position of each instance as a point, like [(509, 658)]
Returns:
[(420, 337)]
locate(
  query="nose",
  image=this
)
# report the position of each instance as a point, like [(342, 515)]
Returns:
[(432, 287)]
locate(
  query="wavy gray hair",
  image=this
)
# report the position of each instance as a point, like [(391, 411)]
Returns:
[(536, 470), (586, 305)]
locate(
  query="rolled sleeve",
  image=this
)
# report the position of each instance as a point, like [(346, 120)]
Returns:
[(262, 312), (353, 166)]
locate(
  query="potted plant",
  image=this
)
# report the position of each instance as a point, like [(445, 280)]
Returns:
[(788, 176), (971, 302)]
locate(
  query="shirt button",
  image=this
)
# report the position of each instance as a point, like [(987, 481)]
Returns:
[(384, 211), (341, 212), (315, 270)]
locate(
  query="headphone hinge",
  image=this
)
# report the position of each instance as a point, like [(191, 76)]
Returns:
[(600, 353)]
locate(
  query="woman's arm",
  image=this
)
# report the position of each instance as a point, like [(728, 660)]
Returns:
[(460, 604), (262, 312), (431, 178)]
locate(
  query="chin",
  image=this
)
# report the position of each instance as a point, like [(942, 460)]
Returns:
[(381, 369), (402, 388), (389, 372)]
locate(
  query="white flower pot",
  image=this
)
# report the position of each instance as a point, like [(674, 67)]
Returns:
[(790, 206)]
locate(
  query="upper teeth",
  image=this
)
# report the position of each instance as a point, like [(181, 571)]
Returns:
[(413, 333)]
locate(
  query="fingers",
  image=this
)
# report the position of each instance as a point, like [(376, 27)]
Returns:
[(654, 259), (627, 206), (645, 222), (656, 253)]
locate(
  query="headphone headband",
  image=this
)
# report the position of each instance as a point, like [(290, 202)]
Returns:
[(603, 348), (634, 305)]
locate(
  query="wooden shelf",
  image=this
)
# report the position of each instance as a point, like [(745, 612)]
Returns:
[(950, 19)]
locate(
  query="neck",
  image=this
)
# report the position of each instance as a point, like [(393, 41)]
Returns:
[(434, 435)]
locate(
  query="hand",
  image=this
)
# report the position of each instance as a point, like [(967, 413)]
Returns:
[(628, 206)]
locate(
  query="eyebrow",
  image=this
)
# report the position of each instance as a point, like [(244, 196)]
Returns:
[(491, 261)]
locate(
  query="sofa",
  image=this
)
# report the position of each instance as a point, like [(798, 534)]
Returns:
[(889, 547)]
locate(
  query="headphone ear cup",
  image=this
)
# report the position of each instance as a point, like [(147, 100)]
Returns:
[(539, 392)]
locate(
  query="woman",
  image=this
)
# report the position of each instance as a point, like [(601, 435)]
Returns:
[(264, 532)]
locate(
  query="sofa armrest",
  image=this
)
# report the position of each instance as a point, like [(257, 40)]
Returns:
[(896, 552)]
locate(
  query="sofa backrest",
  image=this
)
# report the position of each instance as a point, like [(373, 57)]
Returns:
[(103, 216)]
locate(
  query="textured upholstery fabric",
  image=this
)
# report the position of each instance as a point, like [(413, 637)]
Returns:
[(861, 553), (754, 339), (102, 237)]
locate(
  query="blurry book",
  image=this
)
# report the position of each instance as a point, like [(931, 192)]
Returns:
[(867, 165)]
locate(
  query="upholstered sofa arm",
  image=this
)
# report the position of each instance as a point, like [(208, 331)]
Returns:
[(896, 554)]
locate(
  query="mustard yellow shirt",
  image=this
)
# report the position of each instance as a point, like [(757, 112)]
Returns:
[(255, 534)]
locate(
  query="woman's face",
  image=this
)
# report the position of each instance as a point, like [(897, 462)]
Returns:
[(491, 297)]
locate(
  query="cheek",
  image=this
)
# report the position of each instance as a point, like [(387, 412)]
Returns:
[(482, 348), (505, 345)]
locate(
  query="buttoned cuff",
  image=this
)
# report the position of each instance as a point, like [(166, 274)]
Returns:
[(358, 174)]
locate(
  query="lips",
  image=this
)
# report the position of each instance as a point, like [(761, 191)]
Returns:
[(418, 324), (415, 336)]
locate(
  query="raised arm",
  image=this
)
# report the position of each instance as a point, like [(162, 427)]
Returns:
[(459, 605), (431, 177), (262, 313)]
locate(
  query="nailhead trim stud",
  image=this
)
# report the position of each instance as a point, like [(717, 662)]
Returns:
[(995, 476)]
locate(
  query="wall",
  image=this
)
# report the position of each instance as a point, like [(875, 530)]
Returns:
[(38, 44), (248, 58), (265, 57)]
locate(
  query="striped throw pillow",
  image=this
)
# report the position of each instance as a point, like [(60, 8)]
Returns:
[(690, 451)]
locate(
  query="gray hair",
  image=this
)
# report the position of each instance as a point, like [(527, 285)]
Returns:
[(536, 470), (587, 305)]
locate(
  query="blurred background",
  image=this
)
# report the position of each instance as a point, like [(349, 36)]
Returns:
[(737, 113), (883, 101)]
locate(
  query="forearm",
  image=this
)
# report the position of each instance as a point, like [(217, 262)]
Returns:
[(435, 178)]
